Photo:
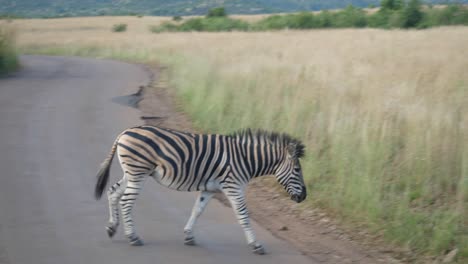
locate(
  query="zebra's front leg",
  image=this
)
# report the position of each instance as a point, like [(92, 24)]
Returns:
[(237, 199), (200, 204), (113, 195), (127, 201)]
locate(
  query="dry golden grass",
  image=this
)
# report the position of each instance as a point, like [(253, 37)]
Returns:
[(383, 113), (91, 25)]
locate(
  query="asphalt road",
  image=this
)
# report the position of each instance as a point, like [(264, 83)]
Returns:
[(57, 124)]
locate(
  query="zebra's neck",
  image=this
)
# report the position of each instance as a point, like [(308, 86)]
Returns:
[(260, 155)]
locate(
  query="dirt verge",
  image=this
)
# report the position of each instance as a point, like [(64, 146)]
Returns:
[(310, 230)]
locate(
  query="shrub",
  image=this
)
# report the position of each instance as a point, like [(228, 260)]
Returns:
[(224, 24), (379, 19), (119, 27), (302, 20), (453, 14), (350, 17), (193, 24), (164, 27), (203, 24), (272, 23), (411, 15), (177, 18), (216, 12), (391, 4), (324, 19), (8, 55)]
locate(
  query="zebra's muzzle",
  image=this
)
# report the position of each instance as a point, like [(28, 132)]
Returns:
[(300, 197)]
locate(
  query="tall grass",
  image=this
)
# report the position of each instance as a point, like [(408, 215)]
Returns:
[(8, 56), (383, 113), (387, 133)]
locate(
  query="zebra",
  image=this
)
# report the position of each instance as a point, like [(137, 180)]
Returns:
[(207, 163)]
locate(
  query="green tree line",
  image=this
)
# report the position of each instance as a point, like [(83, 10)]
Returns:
[(392, 14)]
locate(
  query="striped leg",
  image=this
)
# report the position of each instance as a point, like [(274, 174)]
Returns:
[(113, 195), (237, 199), (133, 188), (200, 204)]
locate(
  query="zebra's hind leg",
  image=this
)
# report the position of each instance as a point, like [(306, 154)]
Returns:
[(127, 201), (200, 204), (113, 195)]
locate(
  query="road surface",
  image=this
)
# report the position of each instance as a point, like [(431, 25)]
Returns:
[(57, 124)]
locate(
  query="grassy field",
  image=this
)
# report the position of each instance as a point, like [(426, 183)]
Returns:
[(383, 113)]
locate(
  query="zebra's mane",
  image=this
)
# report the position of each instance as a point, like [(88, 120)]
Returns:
[(279, 138)]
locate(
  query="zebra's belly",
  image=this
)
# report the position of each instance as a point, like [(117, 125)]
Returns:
[(212, 186), (187, 186)]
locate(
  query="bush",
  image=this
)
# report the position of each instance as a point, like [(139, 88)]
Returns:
[(164, 27), (8, 55), (391, 4), (379, 19), (398, 14), (324, 19), (119, 27), (411, 15), (453, 14), (304, 20), (224, 24), (350, 17), (203, 24), (177, 18), (193, 24), (272, 23), (216, 12)]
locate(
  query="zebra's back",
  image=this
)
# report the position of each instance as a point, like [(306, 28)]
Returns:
[(178, 160)]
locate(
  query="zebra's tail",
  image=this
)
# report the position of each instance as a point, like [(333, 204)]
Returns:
[(103, 173)]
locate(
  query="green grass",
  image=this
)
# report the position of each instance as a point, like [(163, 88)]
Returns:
[(8, 55), (406, 176)]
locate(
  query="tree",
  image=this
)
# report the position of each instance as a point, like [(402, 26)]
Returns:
[(412, 14), (216, 12), (391, 4)]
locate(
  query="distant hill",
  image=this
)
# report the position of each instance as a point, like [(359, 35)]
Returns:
[(54, 8)]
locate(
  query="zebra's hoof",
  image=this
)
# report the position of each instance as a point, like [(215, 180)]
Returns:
[(136, 241), (189, 241), (110, 231), (258, 249)]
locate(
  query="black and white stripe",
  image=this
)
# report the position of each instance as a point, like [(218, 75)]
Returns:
[(199, 162)]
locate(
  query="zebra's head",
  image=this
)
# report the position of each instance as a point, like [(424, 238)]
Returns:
[(289, 172)]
